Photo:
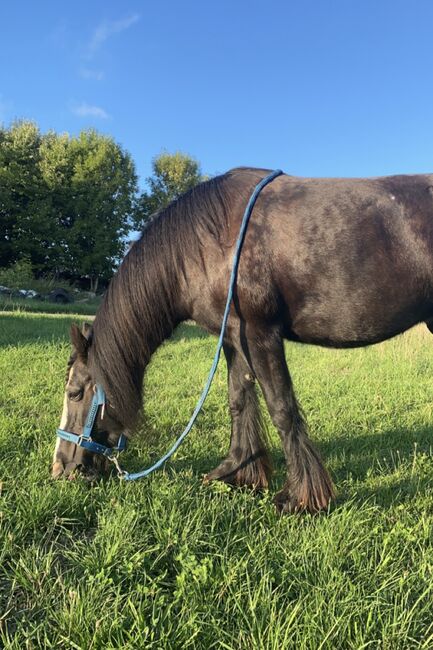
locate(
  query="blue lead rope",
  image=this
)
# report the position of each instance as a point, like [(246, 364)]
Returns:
[(233, 276), (99, 399)]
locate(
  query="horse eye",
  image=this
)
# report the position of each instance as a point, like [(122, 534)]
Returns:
[(76, 396)]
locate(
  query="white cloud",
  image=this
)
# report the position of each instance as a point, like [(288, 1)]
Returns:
[(87, 110), (107, 29), (88, 73)]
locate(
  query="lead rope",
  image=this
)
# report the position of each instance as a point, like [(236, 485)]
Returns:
[(126, 476)]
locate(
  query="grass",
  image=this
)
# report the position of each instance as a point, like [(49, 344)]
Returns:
[(171, 563), (46, 307)]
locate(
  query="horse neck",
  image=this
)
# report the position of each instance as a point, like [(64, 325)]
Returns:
[(160, 299), (142, 307)]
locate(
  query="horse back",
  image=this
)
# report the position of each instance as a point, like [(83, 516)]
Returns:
[(339, 262), (352, 258)]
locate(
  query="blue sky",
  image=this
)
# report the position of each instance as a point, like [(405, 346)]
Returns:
[(318, 88)]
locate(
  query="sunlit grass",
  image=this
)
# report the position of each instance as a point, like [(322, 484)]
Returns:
[(171, 563)]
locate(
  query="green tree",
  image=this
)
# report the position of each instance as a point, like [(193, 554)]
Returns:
[(92, 183), (57, 168), (25, 229), (104, 184), (173, 174), (65, 202)]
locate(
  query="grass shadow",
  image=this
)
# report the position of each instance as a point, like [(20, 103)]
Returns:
[(188, 331), (23, 329), (32, 306), (358, 454)]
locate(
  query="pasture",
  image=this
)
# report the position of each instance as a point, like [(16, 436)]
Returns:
[(168, 562), (42, 306)]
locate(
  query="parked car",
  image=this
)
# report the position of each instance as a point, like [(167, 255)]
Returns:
[(61, 296)]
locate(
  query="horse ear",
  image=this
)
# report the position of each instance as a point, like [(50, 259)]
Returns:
[(86, 330), (79, 341)]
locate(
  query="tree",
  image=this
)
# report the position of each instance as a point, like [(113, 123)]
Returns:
[(65, 202), (57, 168), (173, 174), (25, 229), (93, 183), (104, 184)]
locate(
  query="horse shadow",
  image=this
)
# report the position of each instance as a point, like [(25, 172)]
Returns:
[(387, 467), (404, 456), (188, 331)]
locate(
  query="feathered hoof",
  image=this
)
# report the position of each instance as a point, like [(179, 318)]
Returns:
[(249, 473), (313, 502)]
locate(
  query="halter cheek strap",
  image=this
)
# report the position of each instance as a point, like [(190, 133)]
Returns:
[(85, 439)]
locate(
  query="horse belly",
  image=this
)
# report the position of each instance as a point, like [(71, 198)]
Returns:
[(349, 320)]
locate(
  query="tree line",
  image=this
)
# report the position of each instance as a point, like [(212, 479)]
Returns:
[(68, 204)]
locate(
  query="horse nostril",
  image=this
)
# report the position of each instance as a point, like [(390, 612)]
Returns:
[(70, 469)]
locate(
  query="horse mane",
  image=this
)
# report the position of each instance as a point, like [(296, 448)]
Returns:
[(138, 310)]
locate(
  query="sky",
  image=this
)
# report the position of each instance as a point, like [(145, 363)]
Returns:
[(317, 88)]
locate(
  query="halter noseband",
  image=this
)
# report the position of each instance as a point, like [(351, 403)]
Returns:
[(85, 439)]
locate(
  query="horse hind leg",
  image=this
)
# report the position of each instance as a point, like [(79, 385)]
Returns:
[(308, 486), (247, 462)]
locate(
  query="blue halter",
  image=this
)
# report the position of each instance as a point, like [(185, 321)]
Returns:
[(85, 439)]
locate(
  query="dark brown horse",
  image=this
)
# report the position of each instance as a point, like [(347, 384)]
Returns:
[(334, 262)]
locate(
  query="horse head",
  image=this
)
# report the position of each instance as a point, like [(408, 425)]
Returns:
[(89, 430)]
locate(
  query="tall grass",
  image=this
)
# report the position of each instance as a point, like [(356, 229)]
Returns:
[(171, 563)]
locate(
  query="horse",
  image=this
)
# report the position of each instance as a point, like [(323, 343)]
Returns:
[(341, 263)]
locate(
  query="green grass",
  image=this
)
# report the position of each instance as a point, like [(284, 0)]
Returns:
[(171, 563), (44, 306)]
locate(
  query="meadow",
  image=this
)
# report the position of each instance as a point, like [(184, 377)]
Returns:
[(172, 563), (84, 307)]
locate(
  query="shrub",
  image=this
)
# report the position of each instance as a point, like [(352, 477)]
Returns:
[(20, 276), (49, 281), (17, 276)]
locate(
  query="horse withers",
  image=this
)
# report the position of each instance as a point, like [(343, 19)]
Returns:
[(333, 262)]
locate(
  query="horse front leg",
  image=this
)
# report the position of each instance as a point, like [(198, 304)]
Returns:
[(308, 486), (247, 462)]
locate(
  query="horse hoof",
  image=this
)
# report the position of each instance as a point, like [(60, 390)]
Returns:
[(284, 503), (225, 472), (288, 504)]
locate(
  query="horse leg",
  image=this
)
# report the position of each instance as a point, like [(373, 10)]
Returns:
[(308, 486), (247, 462)]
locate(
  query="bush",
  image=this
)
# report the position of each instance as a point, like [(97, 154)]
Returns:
[(49, 281), (20, 276), (17, 276)]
